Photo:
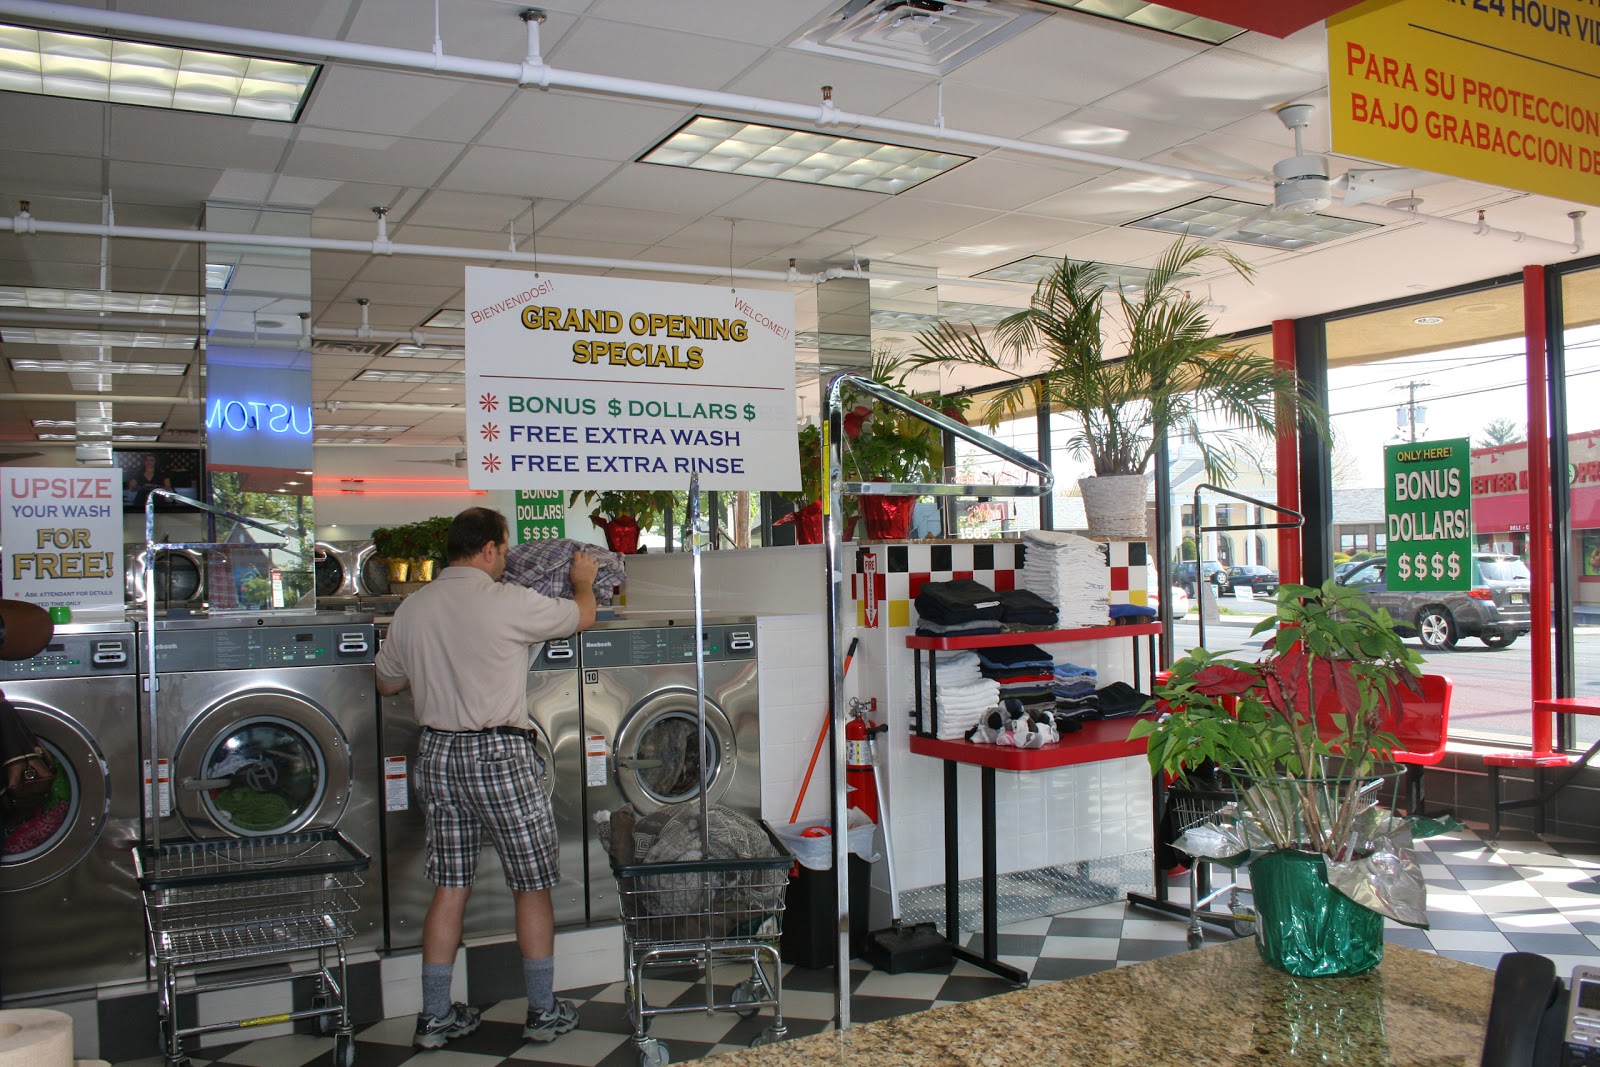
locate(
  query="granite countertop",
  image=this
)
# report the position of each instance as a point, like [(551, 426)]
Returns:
[(1220, 1006)]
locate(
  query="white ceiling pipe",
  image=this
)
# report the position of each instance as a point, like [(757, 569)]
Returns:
[(534, 71), (68, 319), (375, 405), (171, 401)]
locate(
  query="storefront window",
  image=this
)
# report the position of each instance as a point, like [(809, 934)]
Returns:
[(1001, 516), (1580, 298), (1449, 368)]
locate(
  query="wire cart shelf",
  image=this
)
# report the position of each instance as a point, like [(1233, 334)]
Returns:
[(704, 913), (1192, 806), (233, 900)]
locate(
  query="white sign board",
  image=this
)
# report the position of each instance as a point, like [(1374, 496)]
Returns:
[(61, 528), (577, 382)]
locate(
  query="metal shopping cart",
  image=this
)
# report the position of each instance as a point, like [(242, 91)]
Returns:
[(705, 914), (1191, 807), (213, 905)]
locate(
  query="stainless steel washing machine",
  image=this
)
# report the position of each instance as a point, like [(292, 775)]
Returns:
[(641, 725), (553, 711), (269, 725), (73, 915), (350, 569), (180, 575)]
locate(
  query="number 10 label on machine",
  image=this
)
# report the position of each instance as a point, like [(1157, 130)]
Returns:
[(1427, 499)]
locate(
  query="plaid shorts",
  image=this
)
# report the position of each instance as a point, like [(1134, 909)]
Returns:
[(469, 782)]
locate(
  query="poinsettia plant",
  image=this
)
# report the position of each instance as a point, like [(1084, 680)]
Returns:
[(883, 443), (1304, 728)]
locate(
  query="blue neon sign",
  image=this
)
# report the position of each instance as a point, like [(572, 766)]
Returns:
[(259, 415)]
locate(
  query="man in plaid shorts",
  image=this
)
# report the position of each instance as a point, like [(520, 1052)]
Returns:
[(462, 645)]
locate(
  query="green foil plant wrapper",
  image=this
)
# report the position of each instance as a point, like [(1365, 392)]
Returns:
[(1306, 927)]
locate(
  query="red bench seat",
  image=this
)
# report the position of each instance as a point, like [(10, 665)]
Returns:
[(1539, 762)]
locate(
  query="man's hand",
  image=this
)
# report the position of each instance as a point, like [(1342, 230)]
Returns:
[(584, 569)]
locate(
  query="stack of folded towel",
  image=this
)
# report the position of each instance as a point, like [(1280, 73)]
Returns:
[(1024, 672), (1070, 572), (963, 696), (959, 608), (1075, 692)]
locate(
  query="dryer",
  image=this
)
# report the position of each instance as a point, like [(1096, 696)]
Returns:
[(180, 575), (74, 916), (269, 726), (641, 725), (350, 569), (553, 712)]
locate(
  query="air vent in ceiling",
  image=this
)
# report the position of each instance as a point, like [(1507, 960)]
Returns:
[(930, 36), (350, 348)]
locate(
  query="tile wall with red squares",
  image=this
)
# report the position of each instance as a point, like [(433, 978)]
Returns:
[(901, 570)]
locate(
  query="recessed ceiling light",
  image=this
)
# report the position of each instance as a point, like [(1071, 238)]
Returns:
[(59, 423), (426, 352), (126, 438), (352, 441), (25, 296), (414, 377), (353, 428), (853, 342), (1036, 268), (1155, 17), (99, 338), (53, 63), (218, 275), (1244, 223), (97, 366), (1427, 320), (732, 146), (446, 319)]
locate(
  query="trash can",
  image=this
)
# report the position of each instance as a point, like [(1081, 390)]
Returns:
[(811, 901)]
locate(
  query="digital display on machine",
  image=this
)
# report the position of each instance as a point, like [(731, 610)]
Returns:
[(305, 637), (1589, 996)]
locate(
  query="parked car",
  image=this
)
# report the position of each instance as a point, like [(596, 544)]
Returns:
[(1496, 608), (1180, 599), (1342, 569), (1183, 574), (1261, 581)]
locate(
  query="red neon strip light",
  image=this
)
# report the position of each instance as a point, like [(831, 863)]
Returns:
[(412, 492), (405, 481)]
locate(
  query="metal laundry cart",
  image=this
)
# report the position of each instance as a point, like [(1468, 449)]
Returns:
[(236, 900)]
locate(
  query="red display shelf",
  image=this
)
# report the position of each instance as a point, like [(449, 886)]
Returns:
[(1035, 637), (1100, 739)]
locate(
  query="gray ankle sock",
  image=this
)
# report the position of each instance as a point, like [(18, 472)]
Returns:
[(540, 976), (436, 978)]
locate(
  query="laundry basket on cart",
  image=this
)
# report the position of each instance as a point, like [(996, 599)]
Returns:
[(706, 914), (1193, 806), (237, 901)]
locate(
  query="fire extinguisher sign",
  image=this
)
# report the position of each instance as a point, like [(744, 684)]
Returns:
[(869, 590)]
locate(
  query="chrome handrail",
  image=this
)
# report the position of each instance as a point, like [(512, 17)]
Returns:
[(1200, 564), (832, 503)]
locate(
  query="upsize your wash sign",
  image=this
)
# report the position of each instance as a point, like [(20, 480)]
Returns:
[(61, 528)]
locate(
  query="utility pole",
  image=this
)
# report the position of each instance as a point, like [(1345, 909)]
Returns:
[(1411, 405)]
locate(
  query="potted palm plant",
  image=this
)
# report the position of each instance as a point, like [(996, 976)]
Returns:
[(1300, 734), (1173, 375)]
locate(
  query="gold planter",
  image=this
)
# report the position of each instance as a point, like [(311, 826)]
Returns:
[(399, 569), (422, 570)]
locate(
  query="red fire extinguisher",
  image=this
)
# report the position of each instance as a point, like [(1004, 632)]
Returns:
[(862, 791)]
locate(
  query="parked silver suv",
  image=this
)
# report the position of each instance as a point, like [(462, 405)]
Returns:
[(1495, 609)]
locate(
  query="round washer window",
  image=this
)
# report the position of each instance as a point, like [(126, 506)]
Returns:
[(267, 776), (674, 741), (39, 831)]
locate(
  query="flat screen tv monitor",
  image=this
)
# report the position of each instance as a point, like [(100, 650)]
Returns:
[(181, 470)]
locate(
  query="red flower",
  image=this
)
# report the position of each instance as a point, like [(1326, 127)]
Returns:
[(955, 413), (854, 419), (1219, 679)]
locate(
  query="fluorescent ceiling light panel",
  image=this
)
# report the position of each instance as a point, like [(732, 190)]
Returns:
[(15, 335), (1155, 17), (1212, 215), (426, 352), (348, 428), (97, 366), (1035, 268), (414, 377), (24, 296), (949, 311), (731, 146), (53, 63), (850, 342), (446, 319), (218, 275), (53, 424), (352, 440)]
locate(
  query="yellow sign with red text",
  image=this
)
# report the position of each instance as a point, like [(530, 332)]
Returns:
[(1505, 92)]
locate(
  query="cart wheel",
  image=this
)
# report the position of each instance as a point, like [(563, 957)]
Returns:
[(1195, 939), (344, 1050), (1244, 925), (746, 992), (765, 1037), (321, 1002), (653, 1053)]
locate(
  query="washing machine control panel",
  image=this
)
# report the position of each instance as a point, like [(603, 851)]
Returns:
[(667, 644), (556, 655), (266, 647), (74, 656)]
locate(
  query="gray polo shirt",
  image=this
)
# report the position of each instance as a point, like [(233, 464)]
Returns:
[(464, 642)]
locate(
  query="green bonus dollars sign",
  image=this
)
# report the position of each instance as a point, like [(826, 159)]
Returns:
[(541, 515), (1427, 505)]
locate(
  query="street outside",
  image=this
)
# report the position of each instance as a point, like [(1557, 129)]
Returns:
[(1491, 698)]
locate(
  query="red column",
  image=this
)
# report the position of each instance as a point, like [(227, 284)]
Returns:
[(1536, 330), (1290, 567)]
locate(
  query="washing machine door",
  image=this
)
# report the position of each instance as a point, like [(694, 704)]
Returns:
[(331, 577), (51, 841), (261, 762), (372, 573), (179, 576), (657, 756)]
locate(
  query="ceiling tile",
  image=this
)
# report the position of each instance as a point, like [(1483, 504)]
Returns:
[(1112, 133), (978, 107), (51, 124), (583, 125), (528, 174), (651, 54), (469, 211), (1025, 233), (909, 218), (26, 174), (1077, 59), (733, 20), (364, 100), (1002, 184), (616, 224), (798, 77), (154, 135), (1214, 89), (370, 158), (1118, 198), (813, 206)]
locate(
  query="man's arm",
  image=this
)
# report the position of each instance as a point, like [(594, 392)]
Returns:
[(390, 688), (584, 569)]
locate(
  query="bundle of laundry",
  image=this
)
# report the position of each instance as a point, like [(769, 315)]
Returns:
[(1119, 700), (1025, 608), (958, 601), (1024, 672), (928, 628), (1071, 572), (546, 567), (1075, 690), (962, 694)]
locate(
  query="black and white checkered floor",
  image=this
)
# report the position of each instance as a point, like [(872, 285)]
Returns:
[(1528, 894)]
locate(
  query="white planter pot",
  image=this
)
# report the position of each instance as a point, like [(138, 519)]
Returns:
[(1115, 504)]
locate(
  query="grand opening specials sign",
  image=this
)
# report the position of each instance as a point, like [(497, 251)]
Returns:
[(578, 382), (1428, 514)]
